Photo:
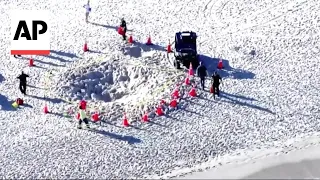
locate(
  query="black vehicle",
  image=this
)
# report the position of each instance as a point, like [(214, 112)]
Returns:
[(186, 49)]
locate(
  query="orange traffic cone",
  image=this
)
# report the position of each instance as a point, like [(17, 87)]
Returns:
[(31, 62), (125, 120), (159, 111), (145, 117), (193, 92), (149, 41), (130, 39), (95, 117), (191, 73), (220, 65), (45, 109), (85, 47)]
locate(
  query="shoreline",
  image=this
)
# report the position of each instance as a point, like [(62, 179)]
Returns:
[(303, 163), (252, 164)]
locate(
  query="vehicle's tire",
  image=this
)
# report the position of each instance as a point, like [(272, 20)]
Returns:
[(176, 64), (186, 63), (195, 64)]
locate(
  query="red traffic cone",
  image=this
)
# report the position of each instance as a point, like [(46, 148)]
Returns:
[(125, 120), (159, 111), (211, 90), (191, 73), (45, 109), (85, 47), (169, 50), (130, 39), (95, 117), (175, 93), (162, 102), (187, 81), (174, 103), (145, 117), (149, 41), (31, 62), (220, 65), (193, 92)]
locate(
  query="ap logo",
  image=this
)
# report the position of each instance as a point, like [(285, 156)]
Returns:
[(30, 32)]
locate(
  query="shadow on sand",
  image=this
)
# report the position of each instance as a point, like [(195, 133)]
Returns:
[(1, 78), (137, 48), (241, 100), (228, 71), (128, 139), (5, 104), (52, 100), (65, 54)]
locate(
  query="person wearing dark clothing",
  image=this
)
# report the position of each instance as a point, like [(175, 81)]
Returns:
[(216, 81), (23, 82), (202, 73), (123, 25)]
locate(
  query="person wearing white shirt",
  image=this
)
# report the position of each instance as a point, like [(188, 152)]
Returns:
[(88, 10)]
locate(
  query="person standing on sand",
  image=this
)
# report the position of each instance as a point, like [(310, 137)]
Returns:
[(88, 10), (123, 25), (202, 73), (23, 82), (216, 81)]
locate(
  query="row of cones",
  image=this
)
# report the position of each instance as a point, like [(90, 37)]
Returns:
[(169, 50), (149, 42), (175, 95), (145, 118), (120, 31), (159, 109), (130, 40), (95, 117), (86, 49)]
